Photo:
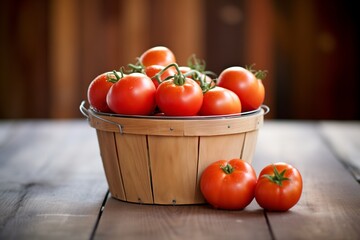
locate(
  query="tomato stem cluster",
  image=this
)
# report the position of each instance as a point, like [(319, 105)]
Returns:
[(259, 74), (110, 77), (179, 77), (277, 178)]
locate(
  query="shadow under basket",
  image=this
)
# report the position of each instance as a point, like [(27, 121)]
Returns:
[(159, 160)]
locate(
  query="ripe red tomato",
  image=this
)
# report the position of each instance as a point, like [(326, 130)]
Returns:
[(220, 101), (179, 99), (157, 56), (134, 94), (228, 184), (97, 92), (152, 70), (244, 83), (279, 187)]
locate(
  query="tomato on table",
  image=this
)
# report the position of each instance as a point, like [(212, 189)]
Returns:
[(133, 94), (97, 91), (158, 55), (245, 84), (279, 187), (220, 101), (228, 184)]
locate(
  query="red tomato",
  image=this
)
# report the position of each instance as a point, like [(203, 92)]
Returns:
[(279, 187), (134, 94), (179, 99), (152, 70), (97, 92), (220, 101), (157, 56), (244, 83), (228, 184)]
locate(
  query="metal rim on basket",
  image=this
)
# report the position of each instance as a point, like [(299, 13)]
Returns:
[(85, 112)]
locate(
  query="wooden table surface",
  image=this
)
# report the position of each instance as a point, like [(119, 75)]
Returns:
[(53, 186)]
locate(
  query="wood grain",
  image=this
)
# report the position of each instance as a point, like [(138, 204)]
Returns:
[(150, 222), (51, 181), (344, 140)]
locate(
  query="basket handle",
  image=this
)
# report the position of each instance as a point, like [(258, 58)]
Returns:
[(87, 114), (84, 110), (266, 109)]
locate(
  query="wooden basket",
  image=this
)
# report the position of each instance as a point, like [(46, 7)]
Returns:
[(159, 160)]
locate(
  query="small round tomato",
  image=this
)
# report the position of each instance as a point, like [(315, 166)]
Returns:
[(133, 94), (97, 91), (244, 83), (157, 56), (152, 70), (228, 184), (279, 187), (220, 101), (182, 97)]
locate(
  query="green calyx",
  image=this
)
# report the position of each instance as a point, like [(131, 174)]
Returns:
[(259, 74), (114, 76), (277, 178), (228, 169)]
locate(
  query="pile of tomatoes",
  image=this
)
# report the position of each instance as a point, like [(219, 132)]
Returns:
[(233, 185), (157, 84)]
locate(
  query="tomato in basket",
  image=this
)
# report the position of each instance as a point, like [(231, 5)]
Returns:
[(220, 101), (132, 94), (245, 84), (158, 55), (179, 96), (97, 91)]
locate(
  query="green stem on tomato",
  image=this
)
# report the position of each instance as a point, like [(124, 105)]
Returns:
[(136, 68), (277, 178), (228, 169), (110, 78), (179, 78)]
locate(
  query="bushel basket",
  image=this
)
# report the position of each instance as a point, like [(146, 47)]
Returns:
[(159, 160)]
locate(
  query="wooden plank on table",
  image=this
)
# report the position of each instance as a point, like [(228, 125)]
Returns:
[(52, 183), (329, 207), (121, 220), (344, 139)]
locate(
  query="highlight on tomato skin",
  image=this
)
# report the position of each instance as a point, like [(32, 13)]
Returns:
[(158, 55), (228, 185), (279, 187)]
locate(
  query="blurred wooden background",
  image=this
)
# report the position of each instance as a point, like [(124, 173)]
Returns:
[(52, 49)]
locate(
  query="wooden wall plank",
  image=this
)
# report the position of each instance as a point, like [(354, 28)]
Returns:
[(64, 64)]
